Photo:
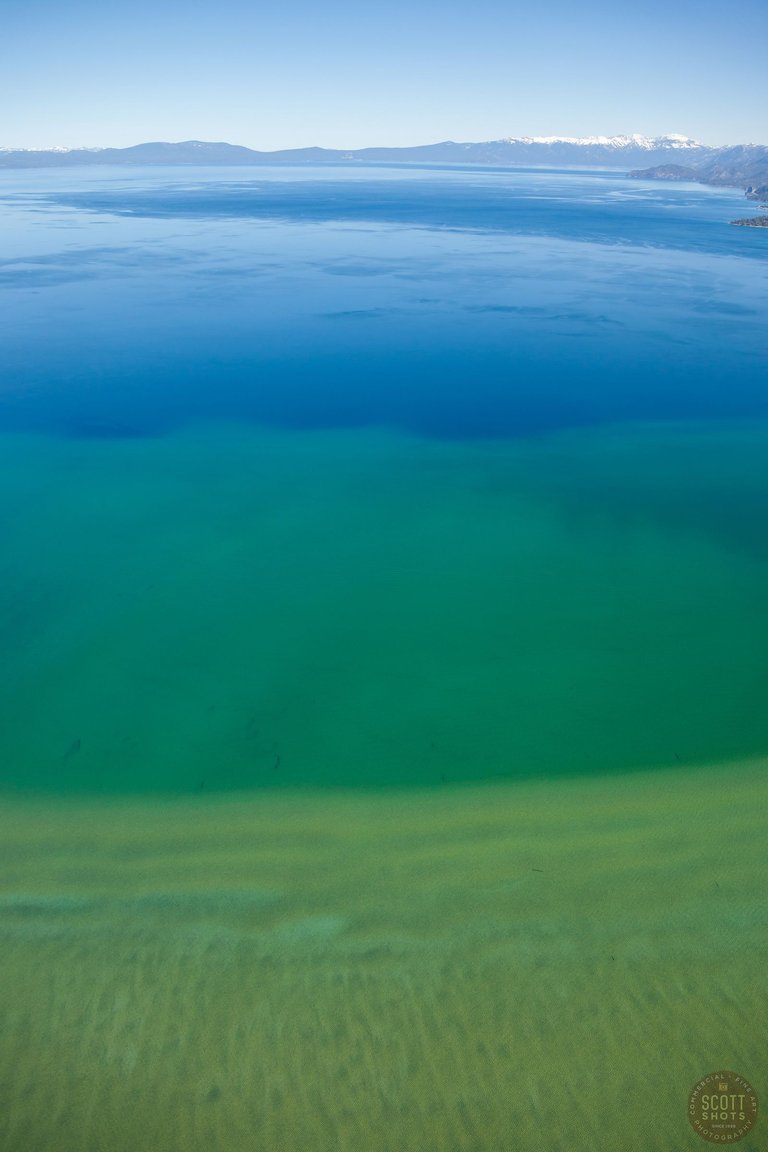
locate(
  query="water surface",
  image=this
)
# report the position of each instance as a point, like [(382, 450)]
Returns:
[(384, 624)]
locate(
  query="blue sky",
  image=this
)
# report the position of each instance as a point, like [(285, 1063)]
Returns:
[(344, 74)]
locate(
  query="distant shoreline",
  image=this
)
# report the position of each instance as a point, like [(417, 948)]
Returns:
[(752, 222), (664, 152)]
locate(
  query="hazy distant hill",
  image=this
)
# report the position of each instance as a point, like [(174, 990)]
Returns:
[(669, 157), (742, 165), (550, 151)]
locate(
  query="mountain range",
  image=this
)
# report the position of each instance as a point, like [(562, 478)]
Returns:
[(742, 165), (547, 151), (663, 157)]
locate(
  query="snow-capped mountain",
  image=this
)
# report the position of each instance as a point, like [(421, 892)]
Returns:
[(577, 151), (672, 140), (543, 151), (56, 149)]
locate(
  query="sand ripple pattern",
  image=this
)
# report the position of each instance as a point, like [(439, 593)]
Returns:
[(532, 967)]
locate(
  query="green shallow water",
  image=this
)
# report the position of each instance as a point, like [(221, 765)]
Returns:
[(528, 966), (374, 791), (258, 888), (234, 608)]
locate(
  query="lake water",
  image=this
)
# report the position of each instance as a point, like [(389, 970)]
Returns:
[(384, 616)]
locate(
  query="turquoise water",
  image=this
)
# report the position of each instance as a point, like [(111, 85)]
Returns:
[(233, 607), (384, 622), (378, 476)]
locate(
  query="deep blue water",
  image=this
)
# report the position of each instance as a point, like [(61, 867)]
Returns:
[(450, 303), (252, 893)]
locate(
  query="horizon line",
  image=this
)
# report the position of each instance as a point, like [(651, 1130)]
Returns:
[(596, 140)]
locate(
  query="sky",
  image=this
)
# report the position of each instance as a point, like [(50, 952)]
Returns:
[(345, 74)]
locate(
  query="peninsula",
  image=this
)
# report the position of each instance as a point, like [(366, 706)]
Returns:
[(738, 166)]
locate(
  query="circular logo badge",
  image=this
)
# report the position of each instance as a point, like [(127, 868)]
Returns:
[(722, 1107)]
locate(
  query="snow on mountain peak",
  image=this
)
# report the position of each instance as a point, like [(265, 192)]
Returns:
[(53, 148), (646, 143)]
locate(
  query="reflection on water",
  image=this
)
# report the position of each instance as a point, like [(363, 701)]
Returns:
[(448, 305)]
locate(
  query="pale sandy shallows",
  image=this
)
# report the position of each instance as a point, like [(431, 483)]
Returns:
[(542, 966)]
